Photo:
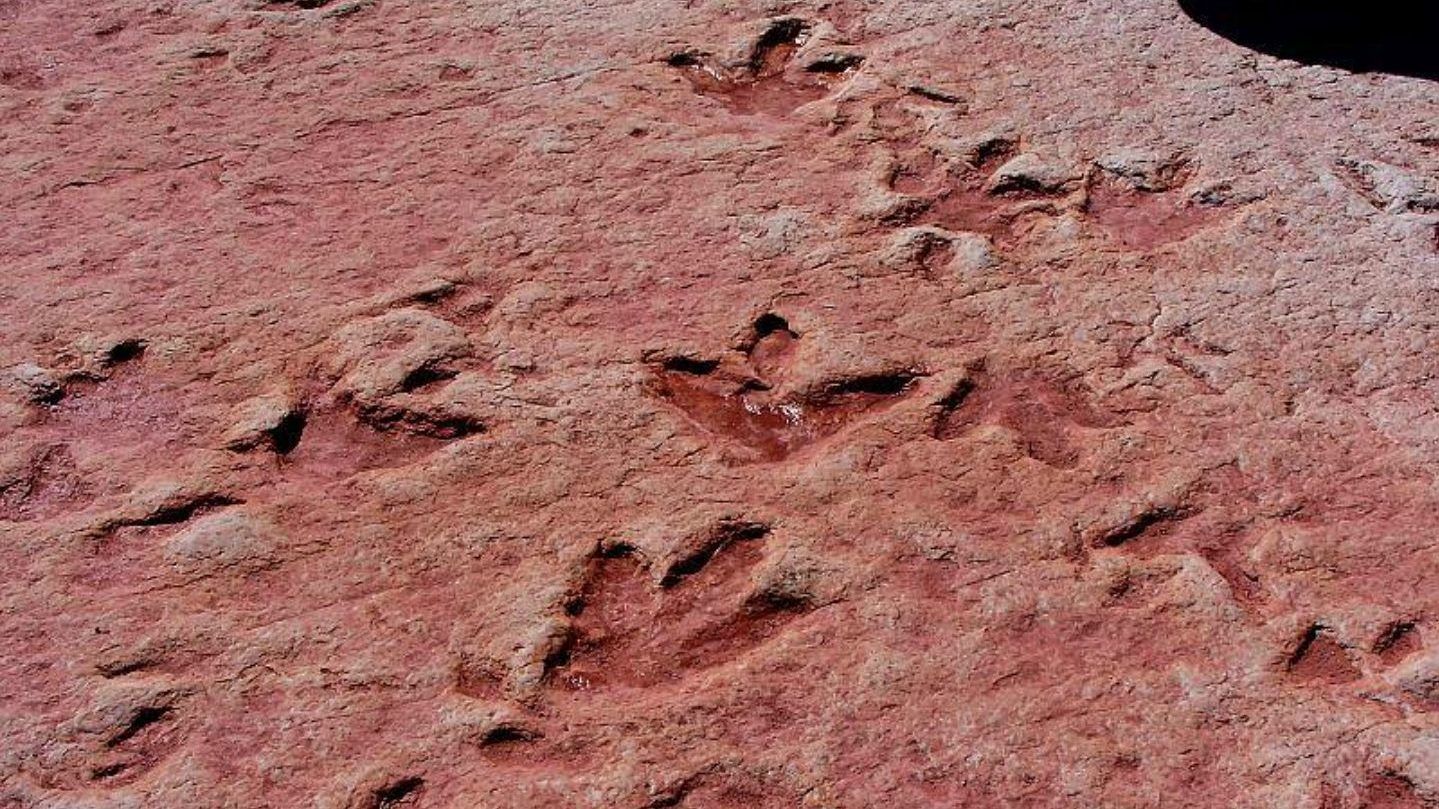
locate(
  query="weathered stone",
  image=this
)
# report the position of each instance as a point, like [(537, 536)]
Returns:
[(820, 404), (34, 384), (228, 540)]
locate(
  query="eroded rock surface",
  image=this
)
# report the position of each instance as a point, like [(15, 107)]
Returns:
[(713, 404)]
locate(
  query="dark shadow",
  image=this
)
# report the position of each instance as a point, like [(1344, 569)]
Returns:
[(1364, 36)]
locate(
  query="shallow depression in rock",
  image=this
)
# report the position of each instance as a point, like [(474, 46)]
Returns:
[(774, 429)]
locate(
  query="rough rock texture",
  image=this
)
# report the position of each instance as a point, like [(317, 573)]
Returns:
[(500, 403)]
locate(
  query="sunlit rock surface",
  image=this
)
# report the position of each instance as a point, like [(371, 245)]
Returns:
[(720, 404)]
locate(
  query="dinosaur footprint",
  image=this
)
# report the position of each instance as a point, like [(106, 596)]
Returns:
[(1044, 412), (630, 631), (739, 399), (767, 82), (1143, 204)]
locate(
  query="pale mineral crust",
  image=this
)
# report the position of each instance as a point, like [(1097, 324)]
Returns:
[(718, 404)]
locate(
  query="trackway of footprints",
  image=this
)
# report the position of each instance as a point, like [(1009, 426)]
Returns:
[(991, 186), (631, 626)]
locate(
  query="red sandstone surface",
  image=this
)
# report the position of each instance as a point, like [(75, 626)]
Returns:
[(731, 403)]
